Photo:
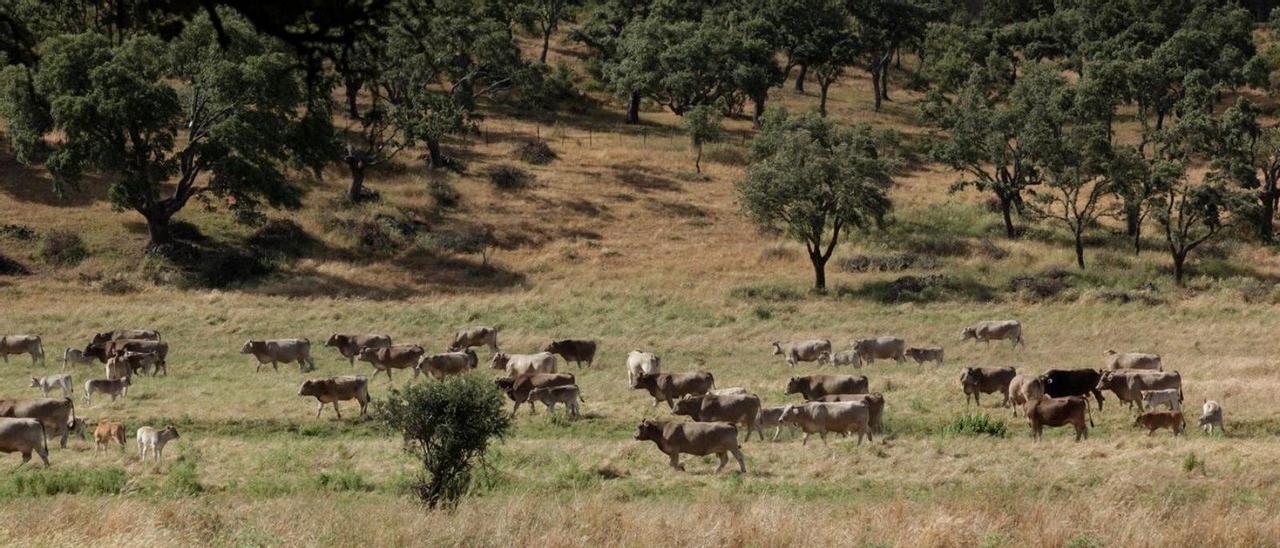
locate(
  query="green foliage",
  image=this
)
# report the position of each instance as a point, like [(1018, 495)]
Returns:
[(474, 239), (536, 152), (509, 178), (703, 126), (976, 425), (62, 248), (447, 425), (182, 480), (43, 482)]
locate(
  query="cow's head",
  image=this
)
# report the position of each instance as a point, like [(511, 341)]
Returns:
[(336, 340), (648, 381), (688, 406), (553, 347), (1034, 388), (499, 360), (1109, 352), (76, 426), (969, 376), (797, 385), (506, 385), (968, 333), (367, 354), (249, 346), (1108, 381), (472, 360), (861, 345), (169, 432), (649, 430), (777, 348), (792, 413), (35, 382)]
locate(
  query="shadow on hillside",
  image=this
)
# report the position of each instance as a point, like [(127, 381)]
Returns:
[(678, 209), (448, 273), (311, 283), (643, 178), (27, 184)]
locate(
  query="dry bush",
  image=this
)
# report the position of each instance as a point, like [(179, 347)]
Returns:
[(536, 152), (778, 252), (505, 177), (888, 263), (63, 248), (281, 238)]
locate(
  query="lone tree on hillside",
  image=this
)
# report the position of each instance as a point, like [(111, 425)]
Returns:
[(703, 124), (812, 180)]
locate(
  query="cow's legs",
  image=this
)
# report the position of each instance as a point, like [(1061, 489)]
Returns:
[(44, 455), (806, 439), (724, 459), (319, 408), (336, 410), (742, 463), (675, 462), (823, 435), (142, 451)]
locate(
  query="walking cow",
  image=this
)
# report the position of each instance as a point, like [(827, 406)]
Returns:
[(280, 350), (22, 344)]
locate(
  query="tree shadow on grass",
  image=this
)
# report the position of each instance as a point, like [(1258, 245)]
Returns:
[(26, 184)]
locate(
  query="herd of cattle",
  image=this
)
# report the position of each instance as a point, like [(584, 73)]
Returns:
[(832, 403)]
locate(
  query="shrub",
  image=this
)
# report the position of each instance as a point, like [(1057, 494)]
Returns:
[(766, 293), (372, 237), (445, 196), (182, 479), (10, 267), (188, 232), (448, 426), (990, 250), (1045, 285), (887, 263), (536, 152), (117, 285), (729, 155), (223, 267), (976, 425), (39, 482), (18, 232), (64, 248), (779, 253), (921, 289), (475, 239), (509, 178), (343, 479), (545, 87), (281, 237)]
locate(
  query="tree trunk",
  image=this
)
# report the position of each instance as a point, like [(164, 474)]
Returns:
[(433, 151), (804, 70), (1137, 240), (819, 272), (1080, 249), (158, 228), (1132, 218), (546, 44), (356, 191), (1006, 210), (884, 80), (822, 98), (633, 109), (697, 162), (875, 86), (758, 115), (1266, 220), (1179, 262)]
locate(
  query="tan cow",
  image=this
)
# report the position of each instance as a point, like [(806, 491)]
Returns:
[(446, 364), (813, 350), (57, 415), (884, 348), (1133, 360), (519, 388), (986, 380), (926, 354), (75, 356), (475, 336), (400, 356), (24, 436), (669, 387), (106, 432), (1129, 384), (569, 395), (274, 351), (350, 345), (1155, 420), (772, 417), (523, 364), (142, 362), (875, 404), (1058, 412), (117, 368), (741, 409), (336, 389), (112, 387), (986, 332), (49, 382), (1022, 389), (821, 418), (812, 387), (693, 438), (22, 344), (103, 351)]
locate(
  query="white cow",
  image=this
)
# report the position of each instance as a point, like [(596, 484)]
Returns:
[(813, 350), (1133, 360), (523, 364), (641, 363), (1170, 396), (75, 356), (49, 382), (1211, 417), (1000, 330), (153, 441)]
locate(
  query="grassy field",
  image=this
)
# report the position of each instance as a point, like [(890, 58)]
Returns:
[(617, 240)]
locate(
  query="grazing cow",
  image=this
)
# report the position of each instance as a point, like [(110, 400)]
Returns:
[(47, 383), (641, 363), (140, 362), (1133, 360), (106, 432), (741, 409), (24, 436), (568, 395), (1211, 417), (400, 356), (103, 351), (814, 350), (812, 387), (731, 391), (1059, 383), (152, 441), (875, 404), (672, 386), (994, 331), (350, 345), (1128, 385), (772, 417), (446, 364), (926, 354), (273, 351), (117, 368), (1169, 396), (57, 415), (336, 389), (884, 348), (1155, 420), (22, 344), (822, 417), (846, 358), (1058, 412), (519, 388), (114, 387), (523, 364), (135, 334), (573, 350), (475, 336), (1024, 388), (693, 438), (986, 380), (75, 356)]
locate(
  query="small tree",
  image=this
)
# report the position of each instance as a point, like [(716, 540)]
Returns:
[(812, 181), (703, 124), (544, 17), (448, 426)]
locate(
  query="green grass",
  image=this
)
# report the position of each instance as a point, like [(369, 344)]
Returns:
[(46, 482)]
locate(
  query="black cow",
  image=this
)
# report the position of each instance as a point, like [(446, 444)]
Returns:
[(1060, 383)]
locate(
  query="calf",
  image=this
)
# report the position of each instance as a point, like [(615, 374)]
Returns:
[(336, 389), (106, 432), (446, 364), (519, 388), (738, 409), (152, 441), (117, 368), (1059, 383), (693, 438), (523, 364), (1169, 396), (1024, 388), (1155, 420), (569, 395), (820, 418), (986, 380), (24, 436), (273, 351), (772, 417), (885, 348), (22, 344), (986, 332), (114, 387), (926, 354), (1056, 412), (475, 336), (573, 350), (350, 345), (1211, 417), (846, 358), (671, 386), (875, 404), (400, 356), (75, 356), (1133, 360), (812, 387), (818, 350), (47, 383), (641, 363)]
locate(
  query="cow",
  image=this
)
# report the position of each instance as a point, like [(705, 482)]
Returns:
[(49, 382), (273, 351), (336, 389), (57, 415), (822, 417), (672, 386), (446, 364), (152, 441), (24, 436), (350, 345), (104, 351), (884, 348), (812, 387), (926, 354), (1169, 396), (75, 356), (400, 356), (135, 334), (731, 391), (114, 387), (875, 404), (772, 417), (22, 344), (1024, 388), (523, 364), (518, 388), (994, 331), (1211, 417), (1155, 420), (1059, 383), (139, 362), (846, 358), (1133, 360), (1128, 385), (475, 336), (814, 350), (1056, 412), (569, 395), (986, 380), (740, 409), (105, 433), (693, 438), (117, 368), (641, 363), (573, 350)]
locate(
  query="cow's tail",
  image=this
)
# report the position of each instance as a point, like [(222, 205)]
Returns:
[(40, 348), (44, 439)]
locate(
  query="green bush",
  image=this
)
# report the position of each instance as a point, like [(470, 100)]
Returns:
[(342, 479), (63, 248), (39, 482), (536, 152), (182, 479), (774, 293), (976, 425), (509, 178), (445, 196)]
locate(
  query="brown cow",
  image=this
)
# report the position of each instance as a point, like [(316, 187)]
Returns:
[(1058, 412), (875, 404), (573, 350), (694, 438), (350, 345), (738, 409), (135, 334), (518, 389), (1155, 420), (106, 432), (22, 344), (821, 418), (670, 386), (400, 356), (986, 380), (104, 351), (812, 387), (446, 364), (336, 389), (1024, 388), (57, 415), (24, 436)]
